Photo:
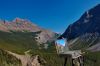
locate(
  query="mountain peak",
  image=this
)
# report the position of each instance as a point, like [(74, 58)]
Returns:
[(17, 19), (18, 24)]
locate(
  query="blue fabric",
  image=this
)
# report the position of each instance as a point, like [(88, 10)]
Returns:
[(61, 42)]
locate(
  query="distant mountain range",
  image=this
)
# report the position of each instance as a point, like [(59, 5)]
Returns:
[(23, 25), (85, 32)]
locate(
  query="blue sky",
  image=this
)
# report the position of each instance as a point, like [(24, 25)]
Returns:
[(54, 15)]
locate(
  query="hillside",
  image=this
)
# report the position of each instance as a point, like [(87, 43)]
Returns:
[(27, 44)]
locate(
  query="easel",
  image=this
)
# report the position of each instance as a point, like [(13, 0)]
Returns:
[(75, 55), (78, 61)]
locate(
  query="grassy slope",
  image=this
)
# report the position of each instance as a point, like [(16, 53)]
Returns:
[(20, 42), (92, 59), (17, 41), (84, 43)]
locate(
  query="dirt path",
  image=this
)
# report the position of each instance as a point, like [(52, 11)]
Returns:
[(26, 59)]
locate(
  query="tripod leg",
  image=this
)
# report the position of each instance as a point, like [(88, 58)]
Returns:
[(76, 62), (73, 62), (81, 59), (65, 61)]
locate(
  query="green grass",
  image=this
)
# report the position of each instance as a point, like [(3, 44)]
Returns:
[(18, 42), (92, 59)]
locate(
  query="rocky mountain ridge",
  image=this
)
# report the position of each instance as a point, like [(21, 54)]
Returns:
[(18, 25), (23, 25), (85, 32)]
